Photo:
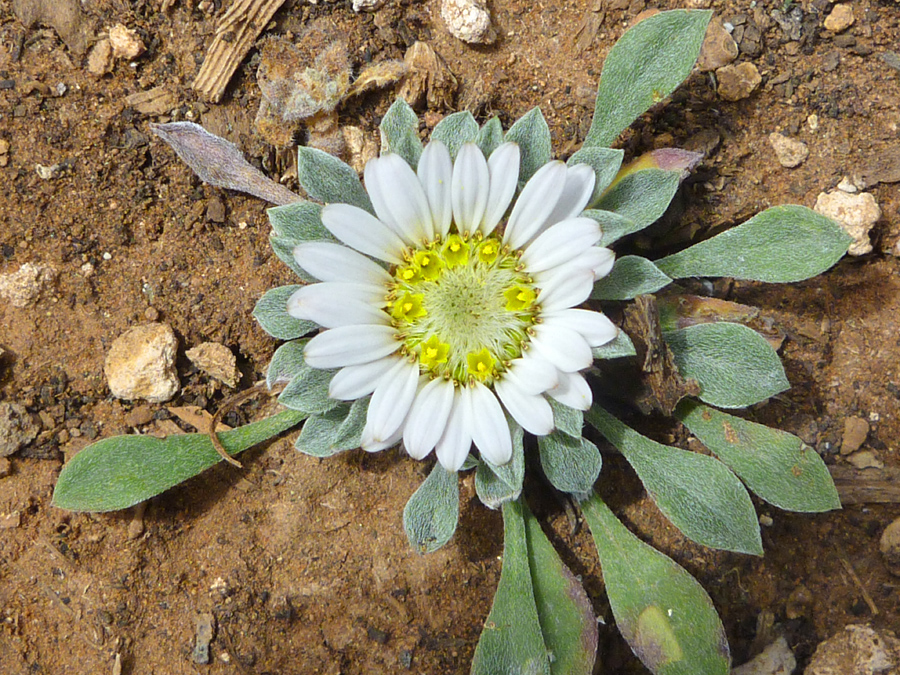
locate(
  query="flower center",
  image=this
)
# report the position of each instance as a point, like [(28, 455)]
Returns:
[(463, 307)]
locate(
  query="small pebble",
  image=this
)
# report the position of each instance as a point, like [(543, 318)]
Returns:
[(5, 467), (799, 603), (765, 520), (125, 43), (856, 650), (790, 152), (141, 364), (719, 48), (738, 81), (840, 19), (216, 361), (205, 626), (468, 20), (865, 459), (813, 122), (846, 185), (22, 287), (857, 214), (215, 210), (367, 5), (140, 415), (776, 659), (855, 431), (17, 428), (890, 547), (100, 59)]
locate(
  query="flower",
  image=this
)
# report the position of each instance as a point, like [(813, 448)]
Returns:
[(472, 312)]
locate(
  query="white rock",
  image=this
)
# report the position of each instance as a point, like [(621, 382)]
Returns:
[(790, 151), (776, 659), (857, 214), (367, 5), (857, 650), (22, 287), (216, 361), (468, 20), (141, 364), (125, 43), (846, 185)]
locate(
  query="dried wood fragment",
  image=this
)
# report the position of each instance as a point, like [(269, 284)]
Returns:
[(866, 486), (235, 35), (156, 101)]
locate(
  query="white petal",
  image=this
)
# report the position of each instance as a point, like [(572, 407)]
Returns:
[(577, 193), (469, 187), (538, 198), (435, 172), (350, 346), (332, 303), (390, 403), (363, 231), (389, 442), (533, 374), (561, 243), (490, 431), (595, 327), (503, 167), (353, 382), (598, 259), (564, 288), (453, 448), (398, 198), (532, 412), (428, 418), (332, 262), (563, 347), (573, 391)]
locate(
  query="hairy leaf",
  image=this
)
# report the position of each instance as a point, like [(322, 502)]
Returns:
[(431, 514), (631, 276)]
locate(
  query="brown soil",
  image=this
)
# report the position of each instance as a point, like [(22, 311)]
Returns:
[(303, 562)]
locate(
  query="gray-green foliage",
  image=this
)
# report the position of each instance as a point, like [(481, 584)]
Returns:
[(533, 136), (271, 313), (334, 430), (496, 485), (328, 180), (399, 128), (431, 514), (571, 464), (455, 130), (605, 162), (630, 277)]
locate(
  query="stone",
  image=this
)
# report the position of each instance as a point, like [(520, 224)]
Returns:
[(776, 659), (139, 416), (840, 19), (799, 603), (216, 361), (847, 185), (865, 459), (5, 467), (737, 82), (855, 431), (857, 650), (857, 214), (790, 152), (22, 287), (890, 547), (125, 43), (215, 210), (100, 59), (17, 429), (719, 48), (468, 20), (141, 364), (367, 5)]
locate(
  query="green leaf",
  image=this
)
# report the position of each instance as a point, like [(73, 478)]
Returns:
[(490, 136), (647, 63), (568, 420), (780, 245), (284, 249), (662, 612), (286, 363), (564, 611), (605, 162), (630, 277), (400, 132), (697, 493), (334, 431), (328, 180), (533, 136), (617, 348), (456, 129), (512, 641), (642, 196), (570, 464), (613, 225), (308, 391), (497, 485), (119, 472), (431, 514), (271, 312), (777, 466), (299, 222), (734, 365)]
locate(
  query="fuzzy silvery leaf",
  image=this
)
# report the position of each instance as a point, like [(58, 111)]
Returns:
[(631, 276), (605, 162), (642, 196), (334, 431), (284, 250), (119, 472), (328, 180), (219, 162), (570, 464), (776, 465), (664, 615), (490, 136), (613, 225), (455, 130), (617, 348), (271, 312), (308, 391), (287, 362), (432, 513), (567, 420), (299, 222), (780, 245), (564, 610), (533, 136), (697, 493), (496, 485), (734, 365), (512, 641), (647, 63), (400, 133)]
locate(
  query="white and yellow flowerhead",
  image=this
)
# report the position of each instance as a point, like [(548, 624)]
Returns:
[(446, 311)]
